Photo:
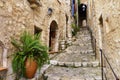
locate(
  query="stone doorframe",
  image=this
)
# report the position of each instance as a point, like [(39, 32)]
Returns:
[(3, 55), (101, 33), (53, 36)]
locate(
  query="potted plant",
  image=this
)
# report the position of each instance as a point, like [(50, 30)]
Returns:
[(30, 54)]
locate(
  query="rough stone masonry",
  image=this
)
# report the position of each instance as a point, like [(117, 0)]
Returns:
[(17, 16)]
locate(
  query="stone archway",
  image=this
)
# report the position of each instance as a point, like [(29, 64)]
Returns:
[(53, 36), (82, 11)]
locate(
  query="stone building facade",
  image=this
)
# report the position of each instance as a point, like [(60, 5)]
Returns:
[(104, 21), (51, 18)]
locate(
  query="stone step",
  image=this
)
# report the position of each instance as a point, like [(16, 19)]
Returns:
[(75, 64), (91, 52), (83, 34), (82, 41), (79, 46), (85, 43), (74, 56), (73, 78), (69, 73), (84, 37), (83, 30), (81, 51)]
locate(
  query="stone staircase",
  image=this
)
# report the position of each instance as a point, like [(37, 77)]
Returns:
[(77, 62)]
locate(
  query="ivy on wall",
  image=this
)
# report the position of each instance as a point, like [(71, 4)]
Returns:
[(78, 1)]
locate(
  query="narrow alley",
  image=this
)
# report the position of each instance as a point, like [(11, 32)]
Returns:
[(77, 62), (64, 39)]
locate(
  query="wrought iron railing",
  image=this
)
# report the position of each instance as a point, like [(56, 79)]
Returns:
[(102, 67), (93, 41), (103, 58)]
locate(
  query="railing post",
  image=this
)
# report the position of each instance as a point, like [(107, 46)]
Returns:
[(103, 55), (95, 49), (101, 63)]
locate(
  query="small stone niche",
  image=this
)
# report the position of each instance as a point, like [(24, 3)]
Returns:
[(101, 20), (37, 30), (34, 3)]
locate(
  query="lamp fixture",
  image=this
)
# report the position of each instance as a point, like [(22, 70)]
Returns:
[(50, 11)]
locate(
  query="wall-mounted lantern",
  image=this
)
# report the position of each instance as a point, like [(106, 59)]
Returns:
[(50, 11)]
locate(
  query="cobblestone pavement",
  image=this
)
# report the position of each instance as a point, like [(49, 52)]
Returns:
[(77, 62), (70, 73)]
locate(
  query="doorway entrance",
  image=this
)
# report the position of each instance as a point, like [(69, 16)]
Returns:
[(37, 30), (53, 36), (82, 14)]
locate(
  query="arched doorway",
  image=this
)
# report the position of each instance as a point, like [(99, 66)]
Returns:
[(82, 11), (53, 36)]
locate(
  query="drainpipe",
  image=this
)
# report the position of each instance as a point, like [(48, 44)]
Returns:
[(5, 58), (72, 12), (77, 11)]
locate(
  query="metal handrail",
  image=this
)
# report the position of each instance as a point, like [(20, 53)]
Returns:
[(93, 41), (102, 54), (94, 45)]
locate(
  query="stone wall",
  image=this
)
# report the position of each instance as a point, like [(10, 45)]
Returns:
[(103, 18), (84, 1), (59, 15), (17, 16)]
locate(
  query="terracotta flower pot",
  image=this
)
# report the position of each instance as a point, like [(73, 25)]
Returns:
[(31, 67)]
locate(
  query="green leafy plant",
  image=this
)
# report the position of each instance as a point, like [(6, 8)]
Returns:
[(78, 1), (75, 29), (29, 46)]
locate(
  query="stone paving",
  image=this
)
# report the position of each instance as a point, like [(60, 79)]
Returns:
[(77, 62), (70, 73)]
